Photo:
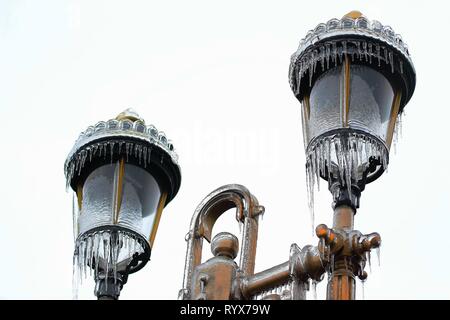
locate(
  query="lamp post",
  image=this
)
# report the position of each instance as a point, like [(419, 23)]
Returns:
[(353, 78), (123, 173)]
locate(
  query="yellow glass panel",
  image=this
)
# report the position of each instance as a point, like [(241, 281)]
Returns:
[(118, 189), (393, 118), (161, 204)]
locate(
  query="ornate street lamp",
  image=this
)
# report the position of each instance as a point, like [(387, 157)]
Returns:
[(123, 173), (353, 78)]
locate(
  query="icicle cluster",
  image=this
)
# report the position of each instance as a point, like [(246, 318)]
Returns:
[(397, 131), (361, 26), (314, 288), (345, 156), (106, 251), (105, 149), (283, 290), (331, 53), (368, 258), (384, 42), (85, 148)]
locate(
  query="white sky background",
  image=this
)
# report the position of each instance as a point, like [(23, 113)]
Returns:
[(213, 76)]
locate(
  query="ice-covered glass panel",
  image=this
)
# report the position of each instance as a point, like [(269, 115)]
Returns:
[(97, 201), (325, 102), (371, 97), (135, 196), (140, 199), (118, 194)]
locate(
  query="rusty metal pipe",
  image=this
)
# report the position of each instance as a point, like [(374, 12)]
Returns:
[(341, 285), (202, 223), (266, 279), (343, 218)]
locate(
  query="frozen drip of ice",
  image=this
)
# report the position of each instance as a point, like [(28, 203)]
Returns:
[(106, 251)]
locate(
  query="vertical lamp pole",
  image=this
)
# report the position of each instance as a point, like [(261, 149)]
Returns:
[(123, 173)]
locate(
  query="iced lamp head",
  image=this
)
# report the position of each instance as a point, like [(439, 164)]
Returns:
[(123, 174), (353, 78)]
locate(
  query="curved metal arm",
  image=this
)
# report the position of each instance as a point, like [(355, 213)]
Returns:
[(204, 218)]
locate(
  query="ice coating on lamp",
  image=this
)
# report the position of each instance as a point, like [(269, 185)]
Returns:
[(123, 173), (136, 209), (340, 146), (114, 220), (105, 251), (370, 101), (353, 78), (345, 156)]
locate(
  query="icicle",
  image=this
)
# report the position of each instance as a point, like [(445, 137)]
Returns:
[(334, 53), (348, 171), (74, 216), (89, 251), (317, 167), (358, 47), (145, 156), (391, 60), (377, 47), (385, 55), (95, 255), (377, 251), (362, 289), (314, 289), (311, 69), (368, 260), (344, 50), (364, 45), (106, 255), (323, 246), (328, 155), (75, 276), (114, 255), (149, 154), (322, 57), (327, 54), (310, 193), (107, 246), (105, 148), (321, 159), (345, 156), (397, 131), (111, 145), (339, 155)]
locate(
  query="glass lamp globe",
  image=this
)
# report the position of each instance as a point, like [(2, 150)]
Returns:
[(353, 78), (123, 174)]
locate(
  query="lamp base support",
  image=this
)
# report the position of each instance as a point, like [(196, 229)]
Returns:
[(108, 288)]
